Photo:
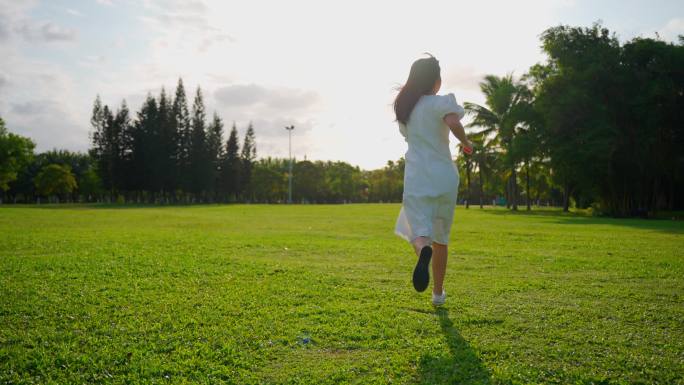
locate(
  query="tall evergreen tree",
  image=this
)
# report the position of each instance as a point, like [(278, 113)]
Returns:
[(167, 154), (215, 152), (122, 124), (200, 162), (230, 171), (145, 147), (180, 122), (107, 143), (248, 156)]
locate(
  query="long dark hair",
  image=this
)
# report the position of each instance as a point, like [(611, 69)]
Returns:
[(422, 78)]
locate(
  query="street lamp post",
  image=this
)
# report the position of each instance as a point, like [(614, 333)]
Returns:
[(289, 189)]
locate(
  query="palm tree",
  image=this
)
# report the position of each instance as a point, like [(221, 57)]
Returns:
[(466, 163), (484, 156), (506, 104)]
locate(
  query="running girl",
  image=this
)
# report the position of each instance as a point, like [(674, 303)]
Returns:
[(430, 177)]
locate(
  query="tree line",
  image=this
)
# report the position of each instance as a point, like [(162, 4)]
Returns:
[(599, 125), (169, 152), (114, 171)]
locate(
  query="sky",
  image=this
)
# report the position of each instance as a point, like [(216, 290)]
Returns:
[(330, 68)]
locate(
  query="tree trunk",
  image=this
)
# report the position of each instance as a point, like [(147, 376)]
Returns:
[(467, 205), (654, 198), (527, 177), (507, 192), (566, 198), (481, 188), (514, 188)]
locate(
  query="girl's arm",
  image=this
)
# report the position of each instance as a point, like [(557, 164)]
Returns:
[(454, 123)]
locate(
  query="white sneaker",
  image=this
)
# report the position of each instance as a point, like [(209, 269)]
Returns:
[(439, 299)]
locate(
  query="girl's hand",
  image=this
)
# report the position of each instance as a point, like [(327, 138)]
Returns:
[(467, 147)]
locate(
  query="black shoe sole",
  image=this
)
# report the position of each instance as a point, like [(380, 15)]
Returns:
[(421, 274)]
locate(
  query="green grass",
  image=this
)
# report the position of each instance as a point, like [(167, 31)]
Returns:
[(322, 294)]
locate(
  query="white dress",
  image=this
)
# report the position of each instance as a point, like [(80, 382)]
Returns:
[(430, 177)]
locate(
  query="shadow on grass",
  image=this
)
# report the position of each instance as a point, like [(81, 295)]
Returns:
[(460, 366), (536, 211), (112, 206), (662, 224)]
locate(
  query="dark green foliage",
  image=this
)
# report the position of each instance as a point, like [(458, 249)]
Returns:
[(506, 114), (200, 158), (145, 151), (82, 166), (180, 122), (107, 140), (215, 152), (613, 119), (55, 180), (308, 182), (598, 124), (167, 155), (16, 153), (248, 156), (232, 167)]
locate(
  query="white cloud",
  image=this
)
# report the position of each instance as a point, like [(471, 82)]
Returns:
[(672, 29), (74, 12), (272, 100), (53, 32), (47, 32), (463, 78), (49, 123), (93, 61), (270, 109), (38, 98)]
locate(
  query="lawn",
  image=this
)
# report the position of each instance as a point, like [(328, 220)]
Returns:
[(322, 294)]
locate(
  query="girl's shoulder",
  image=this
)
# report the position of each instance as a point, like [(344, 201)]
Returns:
[(439, 99), (445, 104)]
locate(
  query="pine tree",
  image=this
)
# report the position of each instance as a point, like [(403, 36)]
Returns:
[(167, 155), (248, 156), (200, 163), (106, 144), (180, 122), (99, 142), (215, 151), (122, 125), (145, 147), (230, 171)]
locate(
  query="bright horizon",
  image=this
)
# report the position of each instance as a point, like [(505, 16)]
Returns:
[(328, 68)]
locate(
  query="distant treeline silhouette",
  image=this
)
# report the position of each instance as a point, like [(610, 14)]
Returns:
[(169, 154), (598, 125)]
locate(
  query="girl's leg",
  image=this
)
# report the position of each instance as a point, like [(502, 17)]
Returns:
[(419, 243), (421, 273), (439, 263)]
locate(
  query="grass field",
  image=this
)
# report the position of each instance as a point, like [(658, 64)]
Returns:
[(322, 294)]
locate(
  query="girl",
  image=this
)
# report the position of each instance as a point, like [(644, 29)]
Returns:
[(430, 177)]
